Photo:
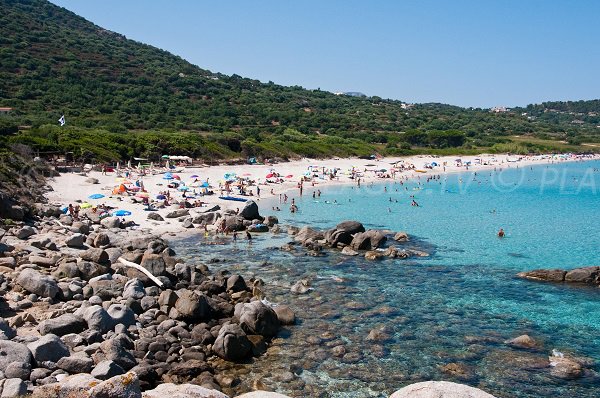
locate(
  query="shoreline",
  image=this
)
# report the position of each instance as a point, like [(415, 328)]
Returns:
[(71, 188)]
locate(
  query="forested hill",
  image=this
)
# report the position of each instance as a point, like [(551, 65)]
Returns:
[(113, 90)]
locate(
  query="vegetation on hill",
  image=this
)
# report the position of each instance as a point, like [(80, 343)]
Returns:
[(122, 98)]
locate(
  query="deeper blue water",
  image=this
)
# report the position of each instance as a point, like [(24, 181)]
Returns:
[(458, 305)]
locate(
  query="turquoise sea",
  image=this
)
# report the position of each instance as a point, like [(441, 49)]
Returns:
[(457, 306)]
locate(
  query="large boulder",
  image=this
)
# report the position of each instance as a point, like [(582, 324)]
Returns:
[(98, 319), (34, 282), (115, 350), (48, 348), (439, 389), (121, 315), (308, 235), (250, 211), (257, 318), (343, 233), (121, 386), (178, 213), (192, 306), (96, 255), (64, 324), (583, 275), (154, 263), (232, 344), (76, 240), (11, 351), (182, 391), (369, 240), (71, 386), (111, 222)]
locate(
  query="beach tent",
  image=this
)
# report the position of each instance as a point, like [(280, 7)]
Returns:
[(96, 196)]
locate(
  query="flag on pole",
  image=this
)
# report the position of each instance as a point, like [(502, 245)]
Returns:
[(62, 120)]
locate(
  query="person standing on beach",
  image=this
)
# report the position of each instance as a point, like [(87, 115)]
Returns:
[(258, 191)]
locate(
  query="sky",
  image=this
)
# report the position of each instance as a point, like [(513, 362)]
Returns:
[(478, 53)]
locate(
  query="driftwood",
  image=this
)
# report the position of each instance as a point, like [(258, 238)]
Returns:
[(141, 269)]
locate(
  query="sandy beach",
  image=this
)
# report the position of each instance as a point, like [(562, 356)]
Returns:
[(284, 178)]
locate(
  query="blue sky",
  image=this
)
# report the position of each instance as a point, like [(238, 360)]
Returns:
[(462, 52)]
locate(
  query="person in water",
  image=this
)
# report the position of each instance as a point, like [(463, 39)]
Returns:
[(501, 233)]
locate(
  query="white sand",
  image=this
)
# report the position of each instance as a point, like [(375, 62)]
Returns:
[(70, 187)]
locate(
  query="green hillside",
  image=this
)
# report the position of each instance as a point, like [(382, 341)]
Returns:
[(122, 98)]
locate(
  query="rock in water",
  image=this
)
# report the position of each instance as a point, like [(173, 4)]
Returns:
[(257, 318), (232, 343), (250, 211), (262, 394), (439, 389), (523, 341)]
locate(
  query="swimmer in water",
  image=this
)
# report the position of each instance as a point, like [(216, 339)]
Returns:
[(501, 233)]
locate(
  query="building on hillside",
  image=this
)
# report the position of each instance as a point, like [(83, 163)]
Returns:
[(500, 109), (5, 111)]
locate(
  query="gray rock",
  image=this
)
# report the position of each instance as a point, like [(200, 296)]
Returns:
[(13, 388), (114, 350), (187, 223), (89, 270), (120, 386), (306, 235), (71, 386), (18, 370), (121, 315), (25, 232), (154, 263), (285, 315), (401, 237), (34, 282), (439, 389), (48, 348), (11, 351), (134, 288), (97, 318), (76, 364), (155, 216), (250, 211), (262, 394), (187, 391), (343, 233), (6, 332), (66, 270), (192, 306), (5, 248), (301, 287), (257, 318), (178, 213), (348, 251), (64, 324), (75, 240), (236, 283), (111, 222), (583, 275), (368, 240), (107, 369), (9, 262), (523, 341), (45, 262), (232, 343), (72, 340), (102, 240), (546, 275), (95, 255)]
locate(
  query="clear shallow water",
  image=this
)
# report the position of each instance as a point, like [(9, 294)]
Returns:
[(458, 305)]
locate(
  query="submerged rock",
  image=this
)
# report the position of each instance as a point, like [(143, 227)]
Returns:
[(440, 389)]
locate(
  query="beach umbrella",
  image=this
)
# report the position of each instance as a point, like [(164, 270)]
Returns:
[(184, 188), (175, 176), (96, 196), (121, 213), (85, 205), (167, 177), (205, 185), (194, 176)]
